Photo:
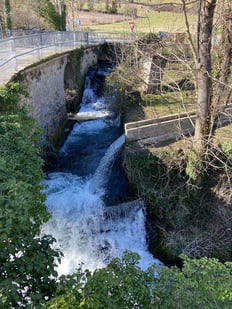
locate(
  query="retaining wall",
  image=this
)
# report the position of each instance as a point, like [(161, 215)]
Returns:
[(160, 131), (46, 87)]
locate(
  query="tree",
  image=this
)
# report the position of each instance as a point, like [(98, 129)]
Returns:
[(194, 182), (204, 283), (222, 73), (55, 18), (122, 284), (74, 7), (27, 261), (213, 89), (207, 58), (8, 24), (204, 44)]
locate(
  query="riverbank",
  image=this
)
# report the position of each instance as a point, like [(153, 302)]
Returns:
[(183, 218)]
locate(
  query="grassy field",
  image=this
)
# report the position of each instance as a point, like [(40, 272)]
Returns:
[(147, 17), (150, 19), (151, 22), (158, 105)]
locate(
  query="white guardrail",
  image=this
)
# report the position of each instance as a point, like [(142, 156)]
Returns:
[(18, 52)]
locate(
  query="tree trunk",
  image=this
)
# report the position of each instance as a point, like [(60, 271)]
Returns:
[(8, 24), (222, 91), (205, 26)]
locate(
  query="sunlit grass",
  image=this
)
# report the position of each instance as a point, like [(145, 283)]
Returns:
[(155, 106), (152, 22)]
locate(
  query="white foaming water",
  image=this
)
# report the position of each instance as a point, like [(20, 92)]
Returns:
[(76, 219), (92, 106), (82, 232), (100, 177), (86, 236)]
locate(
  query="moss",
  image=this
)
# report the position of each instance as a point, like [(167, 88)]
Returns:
[(158, 248), (75, 59)]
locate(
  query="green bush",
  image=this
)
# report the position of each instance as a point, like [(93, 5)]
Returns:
[(187, 219), (204, 283), (26, 260)]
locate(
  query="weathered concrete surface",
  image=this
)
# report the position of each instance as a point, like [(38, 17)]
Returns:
[(46, 84), (46, 101), (162, 130), (90, 58)]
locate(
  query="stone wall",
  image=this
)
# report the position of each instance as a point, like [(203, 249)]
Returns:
[(46, 87), (46, 101)]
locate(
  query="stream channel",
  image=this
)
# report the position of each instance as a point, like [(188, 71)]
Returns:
[(92, 220)]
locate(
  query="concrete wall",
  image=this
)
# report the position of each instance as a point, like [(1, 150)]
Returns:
[(46, 86), (46, 101), (161, 131)]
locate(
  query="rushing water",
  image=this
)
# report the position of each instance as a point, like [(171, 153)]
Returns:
[(91, 219)]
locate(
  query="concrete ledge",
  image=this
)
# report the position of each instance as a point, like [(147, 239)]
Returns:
[(136, 124), (162, 130)]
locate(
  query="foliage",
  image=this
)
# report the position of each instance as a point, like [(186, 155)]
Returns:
[(194, 166), (122, 284), (8, 13), (227, 148), (55, 19), (26, 260), (125, 80), (9, 96), (196, 221), (204, 283), (113, 9)]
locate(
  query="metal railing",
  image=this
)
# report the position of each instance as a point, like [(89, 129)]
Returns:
[(17, 52)]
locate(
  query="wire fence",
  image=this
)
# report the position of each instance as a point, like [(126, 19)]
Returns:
[(24, 48)]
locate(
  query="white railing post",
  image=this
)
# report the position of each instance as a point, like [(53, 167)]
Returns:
[(13, 52), (38, 47), (74, 39), (60, 41)]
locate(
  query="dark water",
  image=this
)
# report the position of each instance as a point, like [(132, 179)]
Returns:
[(88, 179)]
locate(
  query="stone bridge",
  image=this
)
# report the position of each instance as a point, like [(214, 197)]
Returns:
[(48, 64)]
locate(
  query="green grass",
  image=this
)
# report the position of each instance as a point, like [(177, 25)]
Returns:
[(156, 106), (151, 22)]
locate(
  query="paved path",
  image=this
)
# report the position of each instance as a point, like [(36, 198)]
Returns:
[(26, 57)]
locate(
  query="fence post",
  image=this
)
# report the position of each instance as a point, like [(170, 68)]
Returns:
[(38, 46), (74, 39), (13, 52)]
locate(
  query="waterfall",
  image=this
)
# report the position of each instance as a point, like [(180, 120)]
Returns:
[(92, 106), (100, 177), (87, 230), (123, 210)]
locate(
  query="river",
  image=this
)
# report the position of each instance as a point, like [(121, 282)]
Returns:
[(92, 220)]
